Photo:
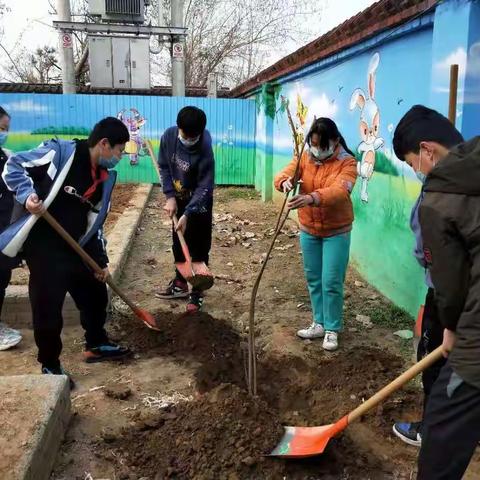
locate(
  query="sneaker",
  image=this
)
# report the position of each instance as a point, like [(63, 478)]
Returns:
[(315, 330), (330, 342), (59, 371), (106, 351), (409, 433), (9, 337), (195, 302), (176, 289)]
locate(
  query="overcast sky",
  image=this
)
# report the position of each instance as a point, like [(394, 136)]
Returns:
[(29, 23)]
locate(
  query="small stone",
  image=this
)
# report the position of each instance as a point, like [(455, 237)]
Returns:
[(248, 461), (353, 397), (364, 320), (249, 235), (359, 284), (119, 392), (229, 264)]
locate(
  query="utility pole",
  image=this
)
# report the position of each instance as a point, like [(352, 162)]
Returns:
[(66, 48), (178, 51)]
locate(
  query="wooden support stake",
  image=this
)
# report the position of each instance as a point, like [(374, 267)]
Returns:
[(452, 102)]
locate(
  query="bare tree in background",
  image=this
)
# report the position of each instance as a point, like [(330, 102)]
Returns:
[(42, 65), (234, 37)]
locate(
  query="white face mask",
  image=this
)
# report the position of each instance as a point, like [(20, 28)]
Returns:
[(188, 142), (319, 155)]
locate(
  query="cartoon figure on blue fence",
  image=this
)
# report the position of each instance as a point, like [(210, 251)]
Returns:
[(134, 122), (369, 126)]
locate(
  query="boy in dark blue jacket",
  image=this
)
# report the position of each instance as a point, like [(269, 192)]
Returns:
[(187, 168)]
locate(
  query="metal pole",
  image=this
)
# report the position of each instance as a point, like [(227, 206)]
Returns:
[(178, 51), (66, 48), (452, 101)]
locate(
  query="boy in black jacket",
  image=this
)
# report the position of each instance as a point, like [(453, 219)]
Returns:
[(450, 225)]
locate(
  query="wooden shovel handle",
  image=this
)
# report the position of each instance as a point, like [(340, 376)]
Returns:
[(405, 377), (87, 258), (183, 243)]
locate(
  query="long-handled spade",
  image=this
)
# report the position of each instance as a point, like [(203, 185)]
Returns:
[(146, 317), (196, 274), (309, 441)]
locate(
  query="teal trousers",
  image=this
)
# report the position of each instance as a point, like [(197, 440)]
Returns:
[(325, 262)]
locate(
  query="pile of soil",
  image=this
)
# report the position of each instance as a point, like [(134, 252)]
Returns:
[(303, 390), (223, 432), (198, 338)]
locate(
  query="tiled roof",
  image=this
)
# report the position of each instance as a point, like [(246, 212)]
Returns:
[(380, 16), (57, 88)]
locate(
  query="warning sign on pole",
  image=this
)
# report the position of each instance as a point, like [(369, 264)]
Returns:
[(67, 41), (177, 50)]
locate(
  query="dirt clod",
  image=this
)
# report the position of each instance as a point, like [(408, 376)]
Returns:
[(119, 392)]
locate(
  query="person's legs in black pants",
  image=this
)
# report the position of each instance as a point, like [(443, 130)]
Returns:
[(451, 428), (47, 290), (5, 277), (91, 298), (431, 338)]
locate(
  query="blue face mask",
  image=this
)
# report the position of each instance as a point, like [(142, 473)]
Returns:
[(3, 138), (108, 163), (421, 176)]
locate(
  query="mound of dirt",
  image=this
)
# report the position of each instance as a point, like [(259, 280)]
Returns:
[(212, 343), (224, 434)]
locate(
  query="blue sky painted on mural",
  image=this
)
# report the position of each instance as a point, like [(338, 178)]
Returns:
[(231, 122)]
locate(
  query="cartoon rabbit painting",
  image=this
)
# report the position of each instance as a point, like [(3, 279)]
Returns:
[(369, 126)]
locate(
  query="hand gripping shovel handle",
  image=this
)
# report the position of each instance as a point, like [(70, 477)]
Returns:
[(88, 260)]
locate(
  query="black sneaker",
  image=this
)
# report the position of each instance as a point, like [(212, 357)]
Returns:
[(195, 302), (409, 432), (106, 351), (176, 289), (59, 371)]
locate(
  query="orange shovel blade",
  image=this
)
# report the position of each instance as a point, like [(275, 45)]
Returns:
[(298, 442), (147, 318), (200, 278)]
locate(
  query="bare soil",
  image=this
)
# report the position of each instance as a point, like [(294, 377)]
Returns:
[(179, 407)]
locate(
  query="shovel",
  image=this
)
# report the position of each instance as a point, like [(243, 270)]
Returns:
[(146, 317), (300, 442), (196, 274)]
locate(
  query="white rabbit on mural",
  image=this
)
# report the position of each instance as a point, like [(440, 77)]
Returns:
[(369, 126)]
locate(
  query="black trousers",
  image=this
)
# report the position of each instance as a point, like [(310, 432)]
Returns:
[(432, 337), (5, 277), (451, 429), (51, 277), (198, 236)]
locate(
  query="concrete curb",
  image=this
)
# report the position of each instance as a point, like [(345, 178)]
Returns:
[(16, 308), (36, 438)]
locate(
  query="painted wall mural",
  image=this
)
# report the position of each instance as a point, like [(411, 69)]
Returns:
[(231, 122), (369, 126), (366, 96), (136, 146)]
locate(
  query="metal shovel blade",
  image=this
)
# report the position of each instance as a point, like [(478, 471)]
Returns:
[(298, 442), (196, 274)]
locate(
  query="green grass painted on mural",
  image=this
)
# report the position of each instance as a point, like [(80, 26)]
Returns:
[(382, 243), (382, 163), (234, 165)]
